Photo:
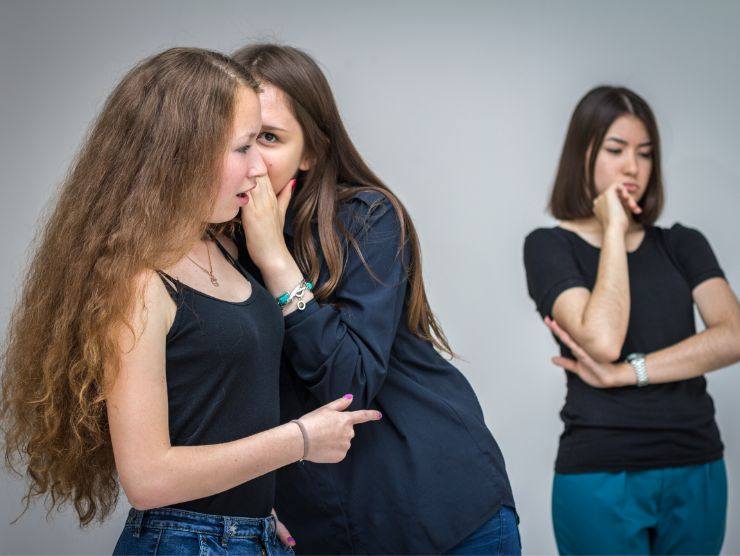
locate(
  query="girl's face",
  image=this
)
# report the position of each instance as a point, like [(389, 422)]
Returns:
[(281, 138), (242, 161), (625, 156)]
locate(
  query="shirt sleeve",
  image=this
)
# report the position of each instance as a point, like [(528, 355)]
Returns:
[(551, 268), (693, 255), (344, 346)]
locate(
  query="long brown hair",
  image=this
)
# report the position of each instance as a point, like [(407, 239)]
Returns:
[(140, 188), (574, 189), (337, 173)]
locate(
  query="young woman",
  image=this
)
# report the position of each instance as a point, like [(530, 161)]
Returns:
[(429, 477), (640, 467), (140, 348)]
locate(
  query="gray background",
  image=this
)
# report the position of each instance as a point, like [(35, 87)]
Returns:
[(462, 108)]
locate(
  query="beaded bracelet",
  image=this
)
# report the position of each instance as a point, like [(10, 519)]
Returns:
[(297, 293)]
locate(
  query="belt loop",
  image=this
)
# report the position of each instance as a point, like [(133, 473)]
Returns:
[(268, 529), (229, 529), (136, 517)]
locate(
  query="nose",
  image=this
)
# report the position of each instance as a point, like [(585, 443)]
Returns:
[(630, 164), (256, 165)]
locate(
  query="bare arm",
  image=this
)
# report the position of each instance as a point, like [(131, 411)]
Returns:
[(598, 319), (154, 473), (716, 347)]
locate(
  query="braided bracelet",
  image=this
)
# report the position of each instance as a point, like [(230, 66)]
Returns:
[(297, 293)]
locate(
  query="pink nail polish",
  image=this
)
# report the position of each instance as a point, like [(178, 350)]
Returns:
[(291, 541), (380, 415), (348, 396)]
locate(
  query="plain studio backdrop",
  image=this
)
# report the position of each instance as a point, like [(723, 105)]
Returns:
[(462, 108)]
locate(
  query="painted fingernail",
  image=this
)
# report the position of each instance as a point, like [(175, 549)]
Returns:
[(348, 396), (380, 415), (292, 183), (291, 541)]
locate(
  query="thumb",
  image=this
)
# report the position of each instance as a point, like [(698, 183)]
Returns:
[(282, 532), (565, 363), (284, 535), (284, 196), (341, 404)]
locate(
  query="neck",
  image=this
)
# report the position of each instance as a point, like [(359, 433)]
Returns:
[(592, 225)]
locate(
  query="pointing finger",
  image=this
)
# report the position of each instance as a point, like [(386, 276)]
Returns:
[(364, 415)]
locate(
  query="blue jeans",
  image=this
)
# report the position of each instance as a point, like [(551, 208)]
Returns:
[(499, 535), (671, 510), (171, 531)]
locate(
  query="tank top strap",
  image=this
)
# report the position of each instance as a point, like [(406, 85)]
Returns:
[(228, 255), (170, 284)]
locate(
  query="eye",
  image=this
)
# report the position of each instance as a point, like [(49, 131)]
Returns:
[(267, 137), (613, 151), (243, 149), (647, 155)]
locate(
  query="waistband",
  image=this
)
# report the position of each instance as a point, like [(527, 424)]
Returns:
[(223, 526)]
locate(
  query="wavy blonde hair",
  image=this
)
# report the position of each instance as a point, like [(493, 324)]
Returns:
[(141, 187)]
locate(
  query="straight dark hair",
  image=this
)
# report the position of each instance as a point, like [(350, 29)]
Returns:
[(574, 190), (337, 173)]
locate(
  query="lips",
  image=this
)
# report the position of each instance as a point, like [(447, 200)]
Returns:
[(631, 187), (243, 193)]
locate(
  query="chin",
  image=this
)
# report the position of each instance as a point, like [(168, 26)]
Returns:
[(223, 218)]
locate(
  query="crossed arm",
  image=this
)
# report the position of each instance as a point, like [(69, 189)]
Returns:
[(716, 347)]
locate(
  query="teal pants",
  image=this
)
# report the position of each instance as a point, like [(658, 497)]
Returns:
[(672, 510)]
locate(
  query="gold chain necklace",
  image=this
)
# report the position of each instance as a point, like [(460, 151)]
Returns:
[(213, 278)]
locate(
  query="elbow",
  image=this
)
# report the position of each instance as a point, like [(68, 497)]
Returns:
[(144, 499), (604, 349), (736, 342), (144, 494)]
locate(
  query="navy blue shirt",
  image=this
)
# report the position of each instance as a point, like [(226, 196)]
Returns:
[(426, 475)]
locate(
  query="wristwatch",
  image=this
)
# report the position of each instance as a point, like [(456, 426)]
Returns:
[(637, 360)]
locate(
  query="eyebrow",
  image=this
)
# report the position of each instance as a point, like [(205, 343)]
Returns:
[(247, 136), (273, 128), (623, 142)]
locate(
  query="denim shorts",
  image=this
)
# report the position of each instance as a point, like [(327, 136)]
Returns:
[(171, 531)]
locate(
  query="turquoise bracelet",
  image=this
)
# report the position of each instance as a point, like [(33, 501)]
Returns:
[(297, 292)]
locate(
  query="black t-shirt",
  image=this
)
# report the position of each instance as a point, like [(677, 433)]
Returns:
[(632, 428)]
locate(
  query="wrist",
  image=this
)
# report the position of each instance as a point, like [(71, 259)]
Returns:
[(298, 436), (625, 374), (279, 271), (616, 230)]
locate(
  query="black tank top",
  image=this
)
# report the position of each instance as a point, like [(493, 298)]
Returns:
[(223, 363)]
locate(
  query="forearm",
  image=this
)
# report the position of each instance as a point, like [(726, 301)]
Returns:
[(283, 275), (182, 473), (332, 359), (606, 314), (712, 349)]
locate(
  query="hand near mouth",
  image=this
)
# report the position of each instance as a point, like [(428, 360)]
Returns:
[(613, 206), (263, 218)]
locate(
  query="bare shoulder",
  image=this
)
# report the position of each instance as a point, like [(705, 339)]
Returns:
[(152, 310)]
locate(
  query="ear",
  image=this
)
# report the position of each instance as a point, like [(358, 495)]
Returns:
[(306, 163)]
